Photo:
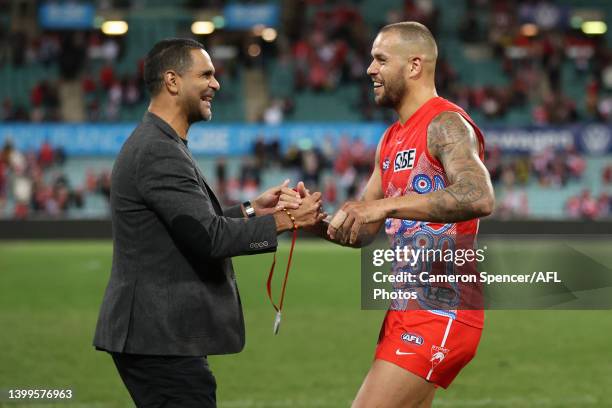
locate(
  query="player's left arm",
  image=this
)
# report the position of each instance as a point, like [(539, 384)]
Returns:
[(453, 141)]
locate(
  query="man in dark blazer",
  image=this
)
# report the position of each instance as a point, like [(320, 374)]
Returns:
[(172, 297)]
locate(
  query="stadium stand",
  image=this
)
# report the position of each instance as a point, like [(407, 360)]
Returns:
[(496, 61), (505, 63)]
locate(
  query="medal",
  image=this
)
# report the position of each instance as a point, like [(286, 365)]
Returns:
[(277, 322)]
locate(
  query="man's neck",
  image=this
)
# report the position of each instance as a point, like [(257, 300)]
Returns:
[(413, 101), (172, 117)]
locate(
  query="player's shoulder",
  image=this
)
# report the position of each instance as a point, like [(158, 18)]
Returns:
[(448, 120)]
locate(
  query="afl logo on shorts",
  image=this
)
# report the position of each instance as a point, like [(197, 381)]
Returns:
[(404, 160), (412, 338)]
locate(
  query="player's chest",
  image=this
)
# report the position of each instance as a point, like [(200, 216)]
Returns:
[(401, 154)]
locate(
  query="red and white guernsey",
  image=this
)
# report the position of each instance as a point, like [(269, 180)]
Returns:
[(407, 168)]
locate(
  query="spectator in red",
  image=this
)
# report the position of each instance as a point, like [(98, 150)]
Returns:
[(107, 77), (46, 155), (607, 174)]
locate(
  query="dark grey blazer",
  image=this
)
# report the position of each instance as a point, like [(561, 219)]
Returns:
[(172, 289)]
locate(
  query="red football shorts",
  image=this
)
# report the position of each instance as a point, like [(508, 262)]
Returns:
[(432, 346)]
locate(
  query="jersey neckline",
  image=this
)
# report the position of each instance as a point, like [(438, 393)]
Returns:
[(418, 112)]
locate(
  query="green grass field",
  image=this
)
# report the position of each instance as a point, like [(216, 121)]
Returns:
[(50, 294)]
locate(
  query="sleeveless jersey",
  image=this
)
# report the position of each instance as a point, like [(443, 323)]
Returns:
[(407, 168)]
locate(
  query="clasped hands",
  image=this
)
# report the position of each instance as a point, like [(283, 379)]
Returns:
[(290, 208), (345, 227)]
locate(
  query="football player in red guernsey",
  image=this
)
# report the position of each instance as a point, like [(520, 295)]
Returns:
[(429, 184)]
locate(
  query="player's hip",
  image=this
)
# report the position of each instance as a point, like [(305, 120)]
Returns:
[(435, 347)]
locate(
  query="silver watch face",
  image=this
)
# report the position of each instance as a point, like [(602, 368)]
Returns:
[(250, 211)]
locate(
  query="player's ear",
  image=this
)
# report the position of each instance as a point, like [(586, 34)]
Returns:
[(172, 81), (415, 66)]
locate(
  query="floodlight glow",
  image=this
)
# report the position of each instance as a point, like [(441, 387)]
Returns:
[(268, 34), (114, 27), (594, 27), (202, 27)]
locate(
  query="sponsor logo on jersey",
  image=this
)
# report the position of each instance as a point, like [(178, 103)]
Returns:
[(404, 160), (437, 355), (386, 164), (412, 338)]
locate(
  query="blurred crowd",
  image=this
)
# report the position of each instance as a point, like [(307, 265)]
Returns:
[(549, 168), (325, 45), (87, 56), (339, 171), (586, 206), (36, 183), (530, 38), (37, 186)]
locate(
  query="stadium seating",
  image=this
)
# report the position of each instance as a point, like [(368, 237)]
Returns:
[(544, 202)]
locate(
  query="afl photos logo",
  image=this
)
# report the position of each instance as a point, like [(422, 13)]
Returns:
[(404, 160)]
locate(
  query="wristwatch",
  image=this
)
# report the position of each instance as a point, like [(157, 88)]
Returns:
[(248, 209)]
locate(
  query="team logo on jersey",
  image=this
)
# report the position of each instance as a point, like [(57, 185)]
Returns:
[(437, 355), (412, 338), (386, 164), (404, 160)]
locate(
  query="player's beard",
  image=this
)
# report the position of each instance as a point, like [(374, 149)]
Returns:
[(393, 92)]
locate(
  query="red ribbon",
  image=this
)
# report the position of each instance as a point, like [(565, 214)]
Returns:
[(279, 308)]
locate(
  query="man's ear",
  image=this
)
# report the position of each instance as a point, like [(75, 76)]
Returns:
[(171, 81)]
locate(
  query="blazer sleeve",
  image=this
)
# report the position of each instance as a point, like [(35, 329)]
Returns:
[(169, 185), (235, 211)]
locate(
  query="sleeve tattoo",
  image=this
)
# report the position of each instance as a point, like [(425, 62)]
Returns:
[(452, 140)]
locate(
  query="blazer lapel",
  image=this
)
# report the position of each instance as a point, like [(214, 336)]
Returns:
[(203, 183), (211, 193)]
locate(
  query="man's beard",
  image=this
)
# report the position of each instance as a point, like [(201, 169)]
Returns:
[(194, 114)]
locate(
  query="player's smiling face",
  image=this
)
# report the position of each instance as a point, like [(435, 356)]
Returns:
[(387, 70), (198, 87)]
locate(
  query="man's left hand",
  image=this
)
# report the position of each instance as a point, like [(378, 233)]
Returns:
[(269, 201)]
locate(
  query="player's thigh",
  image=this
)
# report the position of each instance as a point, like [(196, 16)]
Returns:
[(389, 386), (426, 403)]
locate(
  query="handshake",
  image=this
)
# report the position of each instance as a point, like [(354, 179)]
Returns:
[(297, 208), (354, 224)]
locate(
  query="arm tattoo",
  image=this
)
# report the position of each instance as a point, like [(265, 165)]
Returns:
[(453, 142)]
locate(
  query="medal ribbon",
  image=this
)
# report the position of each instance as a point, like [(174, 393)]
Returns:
[(279, 308)]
